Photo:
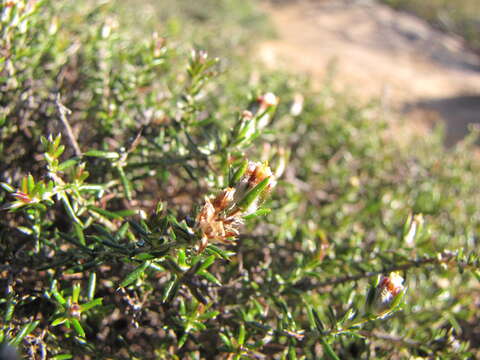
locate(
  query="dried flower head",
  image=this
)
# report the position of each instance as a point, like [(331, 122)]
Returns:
[(219, 219), (214, 224)]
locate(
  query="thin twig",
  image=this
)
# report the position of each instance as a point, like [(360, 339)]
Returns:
[(64, 111), (308, 285), (391, 338)]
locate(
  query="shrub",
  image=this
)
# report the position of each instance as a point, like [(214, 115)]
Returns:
[(152, 228)]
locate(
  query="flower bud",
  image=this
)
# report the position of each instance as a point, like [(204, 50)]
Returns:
[(254, 186), (386, 295), (245, 128), (267, 100), (247, 115), (297, 105), (267, 104), (415, 225), (75, 310)]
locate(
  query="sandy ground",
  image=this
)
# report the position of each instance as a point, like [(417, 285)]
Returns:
[(416, 70)]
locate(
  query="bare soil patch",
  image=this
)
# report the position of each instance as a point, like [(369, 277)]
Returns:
[(377, 51)]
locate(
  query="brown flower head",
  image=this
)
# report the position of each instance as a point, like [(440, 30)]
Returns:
[(219, 219)]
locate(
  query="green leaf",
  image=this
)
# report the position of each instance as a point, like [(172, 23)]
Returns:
[(112, 214), (332, 316), (56, 294), (104, 232), (7, 187), (253, 194), (92, 281), (170, 290), (181, 256), (206, 263), (79, 233), (76, 293), (259, 212), (397, 301), (122, 232), (183, 339), (91, 304), (10, 308), (226, 341), (69, 209), (209, 315), (239, 173), (78, 327), (59, 321), (59, 151), (241, 335), (210, 277), (24, 331), (142, 228), (62, 357), (103, 212), (318, 322), (135, 274), (311, 318), (127, 187), (292, 353), (30, 184), (67, 164), (57, 140), (328, 350), (103, 154), (224, 254), (144, 256)]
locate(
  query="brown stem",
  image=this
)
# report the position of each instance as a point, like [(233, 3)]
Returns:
[(308, 285), (64, 111)]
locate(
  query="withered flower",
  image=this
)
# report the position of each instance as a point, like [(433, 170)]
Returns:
[(219, 220)]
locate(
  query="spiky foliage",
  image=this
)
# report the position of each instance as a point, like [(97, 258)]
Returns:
[(117, 238)]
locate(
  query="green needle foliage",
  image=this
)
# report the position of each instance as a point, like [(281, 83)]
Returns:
[(186, 212)]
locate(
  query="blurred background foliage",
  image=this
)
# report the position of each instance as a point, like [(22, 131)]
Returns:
[(461, 17), (99, 258)]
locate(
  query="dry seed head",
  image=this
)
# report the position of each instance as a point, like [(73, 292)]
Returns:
[(224, 199), (215, 226), (219, 219)]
